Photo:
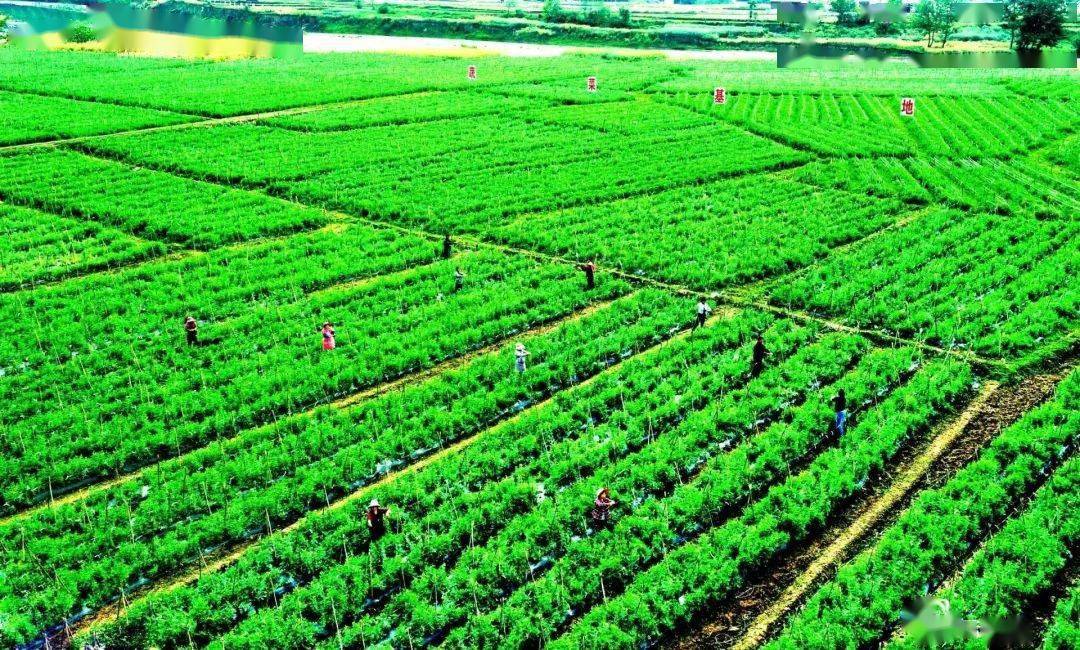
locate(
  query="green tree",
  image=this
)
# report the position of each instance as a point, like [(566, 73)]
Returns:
[(1010, 19), (924, 20), (1034, 24), (845, 12), (552, 12), (80, 33), (945, 14), (935, 19)]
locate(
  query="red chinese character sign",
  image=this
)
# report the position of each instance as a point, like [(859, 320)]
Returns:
[(472, 72), (907, 107), (719, 96), (590, 84)]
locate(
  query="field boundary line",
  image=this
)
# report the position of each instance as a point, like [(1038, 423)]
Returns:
[(176, 255), (832, 555), (348, 401), (731, 297), (751, 289), (202, 121), (234, 555)]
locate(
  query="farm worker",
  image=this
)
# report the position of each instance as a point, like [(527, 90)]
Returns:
[(757, 362), (840, 406), (520, 354), (459, 279), (376, 519), (328, 342), (590, 271), (191, 329), (703, 311), (601, 512), (447, 246)]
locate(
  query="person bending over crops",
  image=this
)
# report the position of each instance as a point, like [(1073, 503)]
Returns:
[(840, 406), (703, 311), (191, 330), (520, 355), (328, 341), (447, 246), (601, 512), (459, 279), (757, 361), (589, 268), (376, 519)]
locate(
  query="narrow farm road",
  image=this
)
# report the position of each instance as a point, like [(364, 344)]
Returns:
[(837, 550)]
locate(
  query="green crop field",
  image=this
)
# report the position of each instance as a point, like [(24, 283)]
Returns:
[(157, 492)]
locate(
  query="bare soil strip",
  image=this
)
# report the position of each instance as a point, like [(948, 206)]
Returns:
[(241, 438), (230, 556), (751, 617)]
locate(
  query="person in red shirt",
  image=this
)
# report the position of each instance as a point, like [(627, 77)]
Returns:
[(328, 341), (601, 512)]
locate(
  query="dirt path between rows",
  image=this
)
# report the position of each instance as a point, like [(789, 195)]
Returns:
[(231, 555), (752, 616)]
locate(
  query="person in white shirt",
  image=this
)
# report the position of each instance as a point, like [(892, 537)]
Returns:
[(703, 311)]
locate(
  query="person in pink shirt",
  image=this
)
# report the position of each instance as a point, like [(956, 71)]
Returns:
[(328, 342)]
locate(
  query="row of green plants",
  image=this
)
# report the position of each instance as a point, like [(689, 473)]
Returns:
[(155, 401), (28, 118), (643, 455), (256, 154), (482, 198), (461, 497), (766, 78), (687, 492), (132, 304), (641, 114), (1063, 629), (147, 203), (771, 225), (1021, 561), (224, 88), (1020, 185), (867, 125), (270, 477), (694, 577), (941, 527), (405, 109), (997, 285), (38, 247)]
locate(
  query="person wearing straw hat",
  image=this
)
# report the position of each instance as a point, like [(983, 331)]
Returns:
[(191, 330), (601, 512), (589, 269), (520, 355), (376, 519)]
